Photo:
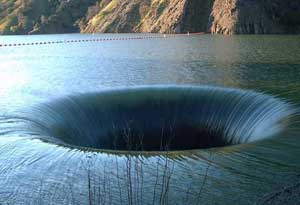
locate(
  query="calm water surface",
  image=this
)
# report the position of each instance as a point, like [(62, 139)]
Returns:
[(34, 172)]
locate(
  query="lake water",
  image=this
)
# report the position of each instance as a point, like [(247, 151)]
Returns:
[(36, 172)]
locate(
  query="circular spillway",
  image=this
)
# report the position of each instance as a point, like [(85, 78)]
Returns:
[(158, 118)]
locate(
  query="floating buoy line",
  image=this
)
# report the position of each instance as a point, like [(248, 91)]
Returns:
[(99, 39)]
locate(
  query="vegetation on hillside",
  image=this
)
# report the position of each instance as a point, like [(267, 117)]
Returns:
[(163, 16), (42, 16)]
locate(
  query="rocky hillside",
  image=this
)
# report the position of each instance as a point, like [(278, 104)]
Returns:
[(42, 16), (164, 16), (255, 16)]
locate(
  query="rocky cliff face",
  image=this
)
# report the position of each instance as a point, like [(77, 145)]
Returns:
[(163, 16), (255, 17)]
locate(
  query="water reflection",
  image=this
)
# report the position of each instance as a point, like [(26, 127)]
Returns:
[(32, 171)]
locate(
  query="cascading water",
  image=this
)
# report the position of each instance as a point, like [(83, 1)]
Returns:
[(152, 144), (158, 118), (78, 139)]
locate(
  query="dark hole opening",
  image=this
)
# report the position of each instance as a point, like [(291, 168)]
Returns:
[(160, 119), (164, 139)]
